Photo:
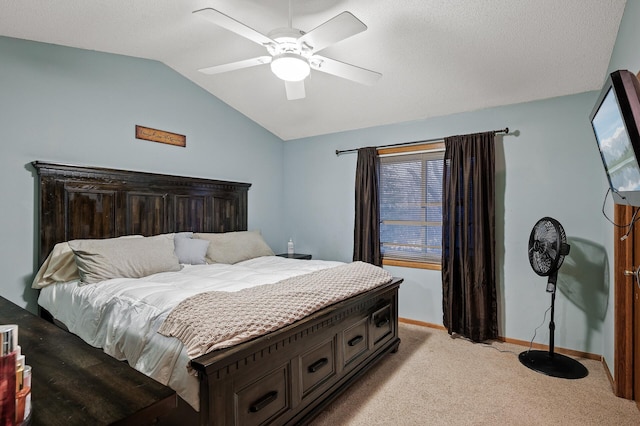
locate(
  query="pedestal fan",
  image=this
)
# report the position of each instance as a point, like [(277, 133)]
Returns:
[(547, 249)]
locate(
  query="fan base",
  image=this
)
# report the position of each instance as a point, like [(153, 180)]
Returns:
[(556, 365)]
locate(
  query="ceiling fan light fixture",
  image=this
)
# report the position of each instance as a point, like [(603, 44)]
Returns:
[(290, 67)]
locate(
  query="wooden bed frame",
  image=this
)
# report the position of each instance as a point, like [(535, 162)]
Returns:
[(285, 377)]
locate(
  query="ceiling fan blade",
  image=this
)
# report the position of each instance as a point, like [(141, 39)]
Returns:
[(295, 90), (232, 25), (217, 69), (341, 69), (338, 28)]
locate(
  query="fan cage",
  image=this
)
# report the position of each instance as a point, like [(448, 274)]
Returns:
[(547, 246)]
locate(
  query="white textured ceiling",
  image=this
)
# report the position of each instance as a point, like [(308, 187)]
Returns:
[(437, 57)]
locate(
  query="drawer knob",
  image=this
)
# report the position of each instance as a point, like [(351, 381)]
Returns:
[(263, 402), (383, 322), (318, 365), (355, 340)]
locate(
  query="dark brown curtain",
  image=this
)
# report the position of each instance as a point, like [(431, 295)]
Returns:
[(468, 237), (366, 239)]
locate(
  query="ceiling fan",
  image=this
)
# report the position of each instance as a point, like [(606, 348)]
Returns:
[(293, 53)]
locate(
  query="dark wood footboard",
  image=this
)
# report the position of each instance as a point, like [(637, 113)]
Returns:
[(289, 376)]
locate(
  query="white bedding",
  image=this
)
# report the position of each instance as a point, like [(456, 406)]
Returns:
[(122, 315)]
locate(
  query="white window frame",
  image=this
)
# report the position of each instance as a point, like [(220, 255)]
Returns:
[(428, 262)]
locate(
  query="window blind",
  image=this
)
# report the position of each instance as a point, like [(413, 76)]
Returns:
[(411, 206)]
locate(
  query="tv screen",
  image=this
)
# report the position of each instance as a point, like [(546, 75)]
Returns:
[(615, 120)]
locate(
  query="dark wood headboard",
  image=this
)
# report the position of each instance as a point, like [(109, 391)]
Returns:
[(89, 202)]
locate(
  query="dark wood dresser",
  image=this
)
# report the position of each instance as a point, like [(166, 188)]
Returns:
[(76, 384)]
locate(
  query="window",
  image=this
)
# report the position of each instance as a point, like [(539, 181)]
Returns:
[(411, 205)]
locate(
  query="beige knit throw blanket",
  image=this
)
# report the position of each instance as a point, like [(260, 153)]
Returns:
[(217, 319)]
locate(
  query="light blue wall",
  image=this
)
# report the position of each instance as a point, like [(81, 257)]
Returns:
[(80, 107), (551, 168), (626, 55)]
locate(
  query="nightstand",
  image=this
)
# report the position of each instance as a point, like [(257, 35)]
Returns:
[(295, 256)]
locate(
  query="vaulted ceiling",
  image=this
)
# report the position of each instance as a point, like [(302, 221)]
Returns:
[(436, 57)]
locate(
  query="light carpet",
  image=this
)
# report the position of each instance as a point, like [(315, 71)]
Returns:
[(435, 379)]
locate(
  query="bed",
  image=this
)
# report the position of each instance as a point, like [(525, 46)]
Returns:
[(284, 376)]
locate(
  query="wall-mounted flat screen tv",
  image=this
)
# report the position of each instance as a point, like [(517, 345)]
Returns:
[(616, 121)]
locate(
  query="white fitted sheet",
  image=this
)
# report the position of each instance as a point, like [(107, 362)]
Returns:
[(122, 315)]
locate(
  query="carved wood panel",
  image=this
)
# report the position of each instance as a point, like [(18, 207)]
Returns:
[(225, 213), (191, 212), (91, 212), (146, 213)]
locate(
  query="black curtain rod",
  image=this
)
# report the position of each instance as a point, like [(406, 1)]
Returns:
[(344, 151)]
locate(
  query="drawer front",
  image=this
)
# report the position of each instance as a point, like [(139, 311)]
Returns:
[(317, 365), (381, 325), (355, 341), (265, 399)]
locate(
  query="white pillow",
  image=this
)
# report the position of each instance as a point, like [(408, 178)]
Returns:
[(191, 251)]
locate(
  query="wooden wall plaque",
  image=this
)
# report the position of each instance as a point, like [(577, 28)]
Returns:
[(161, 136)]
